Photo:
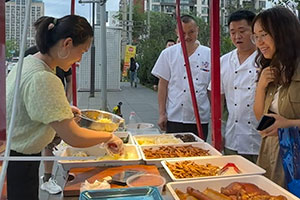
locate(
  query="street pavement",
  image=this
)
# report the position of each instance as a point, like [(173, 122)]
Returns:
[(141, 100)]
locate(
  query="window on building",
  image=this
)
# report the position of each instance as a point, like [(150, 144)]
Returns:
[(155, 8), (262, 4), (204, 11)]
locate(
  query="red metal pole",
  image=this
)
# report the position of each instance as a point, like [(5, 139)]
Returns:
[(74, 85), (2, 73), (2, 86), (188, 71), (215, 74)]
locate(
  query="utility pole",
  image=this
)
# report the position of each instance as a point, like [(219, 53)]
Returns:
[(130, 22), (148, 18), (123, 5), (92, 81), (103, 55)]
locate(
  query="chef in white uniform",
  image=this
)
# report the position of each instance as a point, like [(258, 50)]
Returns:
[(238, 84), (175, 104)]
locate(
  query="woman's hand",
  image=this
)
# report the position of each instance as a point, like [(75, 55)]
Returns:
[(280, 122), (76, 112), (267, 76), (115, 145)]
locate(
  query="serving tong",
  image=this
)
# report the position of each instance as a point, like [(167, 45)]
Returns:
[(227, 166)]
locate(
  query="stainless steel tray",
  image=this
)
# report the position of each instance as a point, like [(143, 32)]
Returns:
[(91, 119)]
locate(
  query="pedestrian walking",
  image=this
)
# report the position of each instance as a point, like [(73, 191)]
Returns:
[(134, 66)]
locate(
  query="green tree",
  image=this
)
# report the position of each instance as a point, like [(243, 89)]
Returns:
[(11, 49), (149, 47)]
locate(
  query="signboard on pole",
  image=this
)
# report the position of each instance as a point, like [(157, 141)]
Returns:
[(130, 51)]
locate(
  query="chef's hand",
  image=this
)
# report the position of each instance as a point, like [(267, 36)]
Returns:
[(162, 122), (115, 145), (76, 112), (280, 122)]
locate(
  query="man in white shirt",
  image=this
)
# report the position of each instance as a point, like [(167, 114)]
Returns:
[(175, 104), (238, 84)]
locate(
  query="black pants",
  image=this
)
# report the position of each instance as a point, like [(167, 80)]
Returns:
[(177, 127), (23, 178)]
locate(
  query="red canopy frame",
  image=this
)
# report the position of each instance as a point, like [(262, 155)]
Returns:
[(2, 73), (215, 73)]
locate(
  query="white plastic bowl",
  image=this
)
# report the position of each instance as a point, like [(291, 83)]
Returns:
[(141, 180)]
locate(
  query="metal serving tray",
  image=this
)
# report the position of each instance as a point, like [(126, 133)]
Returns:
[(96, 151), (157, 162), (135, 193), (216, 184), (245, 166), (89, 119)]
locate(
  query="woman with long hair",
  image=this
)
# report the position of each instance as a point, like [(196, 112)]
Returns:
[(276, 35)]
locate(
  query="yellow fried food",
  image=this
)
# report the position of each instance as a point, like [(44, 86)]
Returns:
[(162, 139), (174, 152), (104, 120), (190, 169)]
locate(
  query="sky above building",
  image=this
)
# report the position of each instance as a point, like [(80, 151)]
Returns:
[(60, 8)]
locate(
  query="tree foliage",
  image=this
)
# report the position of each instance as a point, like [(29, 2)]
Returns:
[(162, 28), (11, 49)]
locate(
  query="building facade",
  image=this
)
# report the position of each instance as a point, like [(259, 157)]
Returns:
[(15, 18), (200, 8)]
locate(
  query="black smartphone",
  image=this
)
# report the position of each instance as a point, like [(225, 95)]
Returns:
[(265, 122)]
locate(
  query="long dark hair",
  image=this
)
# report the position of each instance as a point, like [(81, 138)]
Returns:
[(284, 27), (50, 30)]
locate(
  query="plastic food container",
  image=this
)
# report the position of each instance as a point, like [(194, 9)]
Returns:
[(139, 126), (98, 157), (246, 167), (100, 120), (157, 161), (216, 184), (145, 193), (156, 139), (141, 180), (125, 136), (188, 137), (169, 138)]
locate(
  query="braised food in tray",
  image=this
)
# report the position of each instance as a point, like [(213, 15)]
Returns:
[(186, 137), (234, 191)]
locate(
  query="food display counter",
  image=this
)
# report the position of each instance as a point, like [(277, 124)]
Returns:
[(183, 162), (226, 169)]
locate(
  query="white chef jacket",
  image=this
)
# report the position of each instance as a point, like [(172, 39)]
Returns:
[(238, 83), (171, 67)]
